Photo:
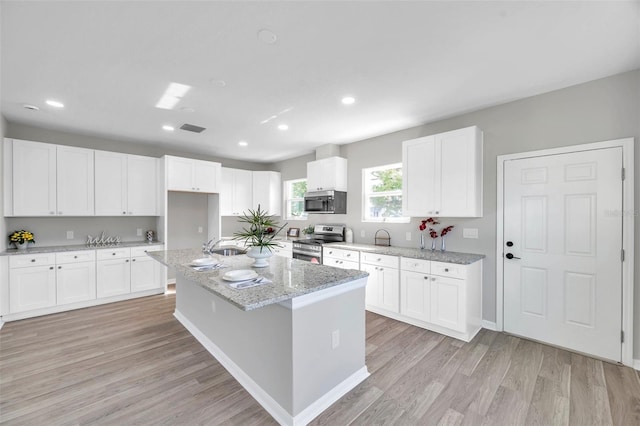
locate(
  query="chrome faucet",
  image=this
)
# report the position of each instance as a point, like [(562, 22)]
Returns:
[(208, 247)]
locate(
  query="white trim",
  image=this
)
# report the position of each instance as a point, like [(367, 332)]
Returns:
[(627, 225), (264, 399), (171, 281), (1, 324), (636, 364), (311, 298), (489, 325)]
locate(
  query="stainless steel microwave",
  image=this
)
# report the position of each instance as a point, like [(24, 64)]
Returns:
[(331, 202)]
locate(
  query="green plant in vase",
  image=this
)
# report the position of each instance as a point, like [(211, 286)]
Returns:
[(258, 233)]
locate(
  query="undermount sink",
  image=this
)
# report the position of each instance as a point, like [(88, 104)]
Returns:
[(228, 251)]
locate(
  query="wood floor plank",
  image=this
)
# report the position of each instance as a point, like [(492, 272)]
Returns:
[(131, 362)]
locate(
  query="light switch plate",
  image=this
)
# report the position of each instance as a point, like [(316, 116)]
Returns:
[(139, 232), (69, 235), (199, 229), (470, 233), (408, 236), (362, 233)]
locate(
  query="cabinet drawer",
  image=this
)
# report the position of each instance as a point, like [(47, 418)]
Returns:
[(286, 245), (380, 260), (75, 256), (142, 250), (113, 253), (451, 270), (26, 260), (416, 265), (340, 263), (350, 255)]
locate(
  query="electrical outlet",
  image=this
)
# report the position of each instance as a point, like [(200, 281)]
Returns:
[(139, 232), (362, 234), (470, 233), (69, 235), (408, 236), (335, 339), (199, 229)]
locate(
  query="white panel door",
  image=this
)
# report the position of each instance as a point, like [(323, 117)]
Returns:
[(142, 186), (34, 179), (562, 245), (448, 303), (75, 190), (113, 277), (206, 176), (179, 174), (110, 183), (415, 291), (389, 289), (145, 274), (372, 292), (76, 282), (418, 177), (32, 288)]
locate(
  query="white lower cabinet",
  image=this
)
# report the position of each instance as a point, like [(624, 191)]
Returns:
[(448, 303), (114, 271), (284, 249), (75, 277), (416, 295), (383, 284), (32, 288), (145, 272)]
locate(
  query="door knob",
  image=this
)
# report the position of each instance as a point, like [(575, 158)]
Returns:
[(510, 256), (509, 244)]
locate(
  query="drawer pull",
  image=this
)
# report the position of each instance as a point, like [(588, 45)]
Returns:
[(51, 267), (133, 260), (446, 269), (124, 212), (59, 267), (75, 257), (126, 261), (33, 260), (113, 254), (425, 277), (379, 259)]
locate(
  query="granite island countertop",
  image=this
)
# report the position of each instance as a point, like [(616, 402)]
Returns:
[(76, 247), (414, 253), (290, 277)]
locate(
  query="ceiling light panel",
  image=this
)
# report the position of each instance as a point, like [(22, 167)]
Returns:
[(172, 95), (168, 128), (54, 103), (348, 100), (283, 127)]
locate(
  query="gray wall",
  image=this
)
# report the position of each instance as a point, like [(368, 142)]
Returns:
[(595, 111), (3, 225), (187, 211)]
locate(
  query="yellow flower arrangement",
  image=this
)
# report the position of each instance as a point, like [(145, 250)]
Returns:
[(22, 236)]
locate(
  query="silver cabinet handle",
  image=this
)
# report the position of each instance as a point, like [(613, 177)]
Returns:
[(425, 277), (124, 212), (59, 267), (126, 261), (33, 260), (51, 267)]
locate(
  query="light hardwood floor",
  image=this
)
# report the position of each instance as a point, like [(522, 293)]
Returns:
[(132, 363)]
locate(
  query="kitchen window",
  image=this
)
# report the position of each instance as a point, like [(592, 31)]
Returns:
[(382, 194), (294, 191)]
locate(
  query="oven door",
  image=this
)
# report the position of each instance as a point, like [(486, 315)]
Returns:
[(308, 257), (318, 204)]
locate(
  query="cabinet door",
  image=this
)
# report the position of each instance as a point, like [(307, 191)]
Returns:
[(145, 274), (416, 295), (142, 186), (315, 179), (75, 282), (113, 277), (75, 191), (110, 183), (459, 173), (389, 289), (32, 288), (418, 177), (328, 173), (179, 174), (267, 192), (206, 176), (372, 291), (448, 302), (243, 191), (34, 179), (226, 192)]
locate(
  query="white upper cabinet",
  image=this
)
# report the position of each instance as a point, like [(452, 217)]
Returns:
[(327, 174), (442, 174), (188, 175), (50, 180), (236, 194), (125, 184), (267, 192)]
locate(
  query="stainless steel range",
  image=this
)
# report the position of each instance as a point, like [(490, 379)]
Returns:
[(311, 249)]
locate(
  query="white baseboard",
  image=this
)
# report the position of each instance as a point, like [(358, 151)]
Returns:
[(281, 415), (1, 324), (636, 364), (171, 281), (489, 325)]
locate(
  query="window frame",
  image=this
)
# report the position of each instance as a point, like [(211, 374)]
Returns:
[(367, 195), (286, 199)]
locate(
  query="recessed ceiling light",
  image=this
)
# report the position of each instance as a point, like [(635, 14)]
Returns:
[(283, 127), (348, 100), (168, 128), (243, 143), (53, 103), (31, 107), (267, 36), (187, 109), (172, 95)]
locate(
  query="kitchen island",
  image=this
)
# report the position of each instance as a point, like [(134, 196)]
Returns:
[(296, 344)]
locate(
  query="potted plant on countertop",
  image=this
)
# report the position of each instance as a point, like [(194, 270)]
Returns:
[(308, 231), (258, 234), (21, 239)]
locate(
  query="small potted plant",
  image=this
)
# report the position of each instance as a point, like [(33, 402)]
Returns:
[(308, 231), (21, 239), (258, 235)]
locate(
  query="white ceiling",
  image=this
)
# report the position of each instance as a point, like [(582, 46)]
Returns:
[(406, 63)]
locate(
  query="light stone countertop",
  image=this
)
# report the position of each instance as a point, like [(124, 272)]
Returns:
[(77, 247), (291, 277), (414, 253)]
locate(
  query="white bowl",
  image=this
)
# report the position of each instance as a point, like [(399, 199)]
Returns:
[(204, 261), (240, 275)]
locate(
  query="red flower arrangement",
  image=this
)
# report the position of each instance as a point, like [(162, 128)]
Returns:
[(445, 231), (431, 221)]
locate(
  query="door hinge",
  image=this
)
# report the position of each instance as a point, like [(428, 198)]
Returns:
[(623, 174), (622, 255), (621, 336)]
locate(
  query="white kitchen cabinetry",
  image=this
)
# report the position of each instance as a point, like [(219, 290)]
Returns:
[(442, 174), (236, 194), (75, 276), (327, 174), (383, 284), (341, 258), (284, 249), (267, 191), (50, 180), (145, 271), (32, 282), (125, 184), (113, 271), (416, 295), (188, 175)]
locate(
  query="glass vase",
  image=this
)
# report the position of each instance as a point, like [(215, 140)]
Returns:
[(421, 240), (442, 246), (433, 244)]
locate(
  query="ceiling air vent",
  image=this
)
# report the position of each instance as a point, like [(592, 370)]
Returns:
[(192, 128)]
